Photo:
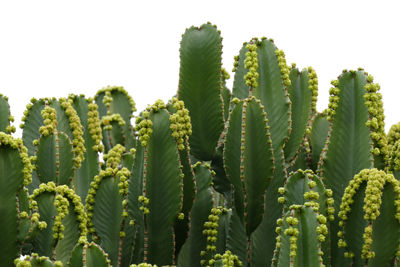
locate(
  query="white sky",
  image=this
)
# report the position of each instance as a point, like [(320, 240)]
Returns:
[(53, 48)]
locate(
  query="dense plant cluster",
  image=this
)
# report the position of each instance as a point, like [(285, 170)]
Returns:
[(248, 176)]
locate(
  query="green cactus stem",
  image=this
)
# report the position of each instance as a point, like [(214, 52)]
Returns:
[(317, 134), (62, 211), (113, 100), (349, 147), (15, 172), (303, 91), (5, 121), (200, 86), (374, 196), (301, 231), (89, 255), (92, 135), (162, 184)]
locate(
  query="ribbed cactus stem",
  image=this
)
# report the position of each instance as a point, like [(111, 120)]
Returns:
[(375, 181)]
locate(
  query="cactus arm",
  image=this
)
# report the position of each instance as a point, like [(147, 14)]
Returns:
[(135, 190), (32, 121), (203, 202), (62, 211), (349, 144), (318, 137), (88, 255), (163, 188), (182, 226), (107, 204), (55, 159), (226, 95), (300, 91), (237, 240), (116, 100), (200, 85), (5, 120), (13, 162), (89, 117), (258, 162), (373, 196), (301, 224), (240, 89), (272, 83), (231, 155)]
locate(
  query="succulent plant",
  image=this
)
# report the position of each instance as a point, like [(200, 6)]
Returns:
[(253, 176)]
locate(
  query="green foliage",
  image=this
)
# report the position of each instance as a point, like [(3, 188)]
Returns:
[(253, 176)]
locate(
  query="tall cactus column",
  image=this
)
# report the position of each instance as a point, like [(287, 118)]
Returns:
[(15, 173), (162, 135)]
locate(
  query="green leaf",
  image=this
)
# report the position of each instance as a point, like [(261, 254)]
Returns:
[(200, 87)]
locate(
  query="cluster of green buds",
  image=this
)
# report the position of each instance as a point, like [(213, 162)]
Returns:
[(293, 232), (235, 63), (39, 261), (144, 201), (49, 120), (329, 203), (123, 184), (94, 126), (251, 63), (107, 99), (143, 265), (61, 204), (284, 67), (108, 119), (113, 157), (313, 86), (225, 74), (26, 112), (77, 131), (228, 259), (8, 140), (393, 134), (144, 128), (211, 232), (180, 123), (376, 122), (333, 100)]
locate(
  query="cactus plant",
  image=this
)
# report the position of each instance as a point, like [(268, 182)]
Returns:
[(253, 176)]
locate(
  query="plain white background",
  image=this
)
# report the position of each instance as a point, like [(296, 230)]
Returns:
[(53, 48)]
